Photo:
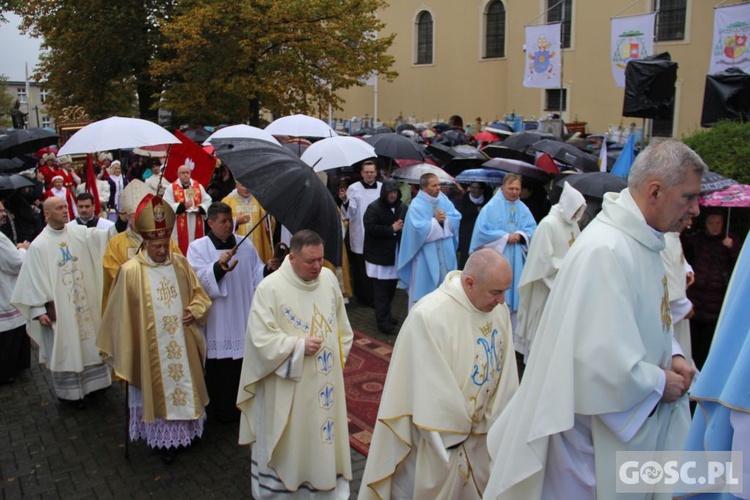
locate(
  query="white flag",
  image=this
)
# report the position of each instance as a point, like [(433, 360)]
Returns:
[(731, 29), (603, 156), (631, 38), (542, 69)]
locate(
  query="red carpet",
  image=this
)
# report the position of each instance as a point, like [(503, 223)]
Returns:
[(364, 377)]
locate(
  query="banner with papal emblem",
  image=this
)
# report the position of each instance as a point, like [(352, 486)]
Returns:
[(731, 30), (632, 38), (542, 68)]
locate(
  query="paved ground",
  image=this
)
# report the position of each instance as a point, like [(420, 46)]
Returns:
[(52, 451)]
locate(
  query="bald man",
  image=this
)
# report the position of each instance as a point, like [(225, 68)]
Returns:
[(429, 439), (59, 292), (190, 203)]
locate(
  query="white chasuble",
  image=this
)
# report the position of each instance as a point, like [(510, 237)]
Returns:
[(296, 423), (170, 338), (452, 372)]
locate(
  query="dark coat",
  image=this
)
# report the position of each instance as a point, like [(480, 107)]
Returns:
[(469, 213), (380, 240)]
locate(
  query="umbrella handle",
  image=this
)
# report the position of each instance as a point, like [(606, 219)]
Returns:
[(230, 267)]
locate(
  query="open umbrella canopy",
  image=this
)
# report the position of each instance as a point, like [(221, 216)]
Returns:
[(518, 167), (568, 154), (396, 147), (737, 195), (11, 165), (196, 134), (13, 182), (411, 173), (336, 152), (711, 181), (446, 153), (158, 151), (23, 141), (487, 175), (522, 141), (286, 187), (117, 133), (241, 132), (487, 136), (595, 184), (300, 126)]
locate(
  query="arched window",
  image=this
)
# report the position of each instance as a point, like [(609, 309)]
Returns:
[(494, 29), (424, 38)]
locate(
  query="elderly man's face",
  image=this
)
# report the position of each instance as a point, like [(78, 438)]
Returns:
[(158, 250), (308, 262), (184, 174), (243, 191), (487, 291), (676, 204)]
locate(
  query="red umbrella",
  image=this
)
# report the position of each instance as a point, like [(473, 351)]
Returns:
[(487, 136), (546, 163)]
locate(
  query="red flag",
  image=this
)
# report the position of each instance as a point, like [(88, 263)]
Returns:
[(91, 186), (190, 154)]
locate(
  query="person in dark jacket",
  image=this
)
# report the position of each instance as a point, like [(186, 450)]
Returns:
[(712, 253), (384, 221), (469, 206)]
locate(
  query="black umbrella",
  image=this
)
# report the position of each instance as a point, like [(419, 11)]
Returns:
[(595, 184), (197, 134), (11, 165), (568, 154), (518, 167), (444, 153), (396, 147), (405, 126), (13, 182), (497, 150), (522, 141), (23, 141), (286, 187)]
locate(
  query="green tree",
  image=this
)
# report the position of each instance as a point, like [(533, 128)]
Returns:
[(97, 52), (6, 103), (725, 148), (227, 60)]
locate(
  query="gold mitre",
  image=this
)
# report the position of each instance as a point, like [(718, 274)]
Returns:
[(132, 195), (154, 218)]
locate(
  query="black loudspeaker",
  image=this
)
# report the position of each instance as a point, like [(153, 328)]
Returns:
[(727, 97), (649, 87)]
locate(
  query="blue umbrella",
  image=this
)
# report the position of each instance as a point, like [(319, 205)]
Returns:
[(488, 176)]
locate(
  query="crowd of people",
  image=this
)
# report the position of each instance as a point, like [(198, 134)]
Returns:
[(606, 326)]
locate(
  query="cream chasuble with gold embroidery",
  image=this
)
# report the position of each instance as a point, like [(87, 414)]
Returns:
[(293, 406), (452, 372)]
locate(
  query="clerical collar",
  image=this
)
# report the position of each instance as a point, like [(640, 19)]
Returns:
[(374, 185), (477, 201), (222, 245)]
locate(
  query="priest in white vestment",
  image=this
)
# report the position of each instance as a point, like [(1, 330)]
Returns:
[(292, 387), (606, 373), (150, 336), (232, 293), (59, 292), (452, 371), (553, 238)]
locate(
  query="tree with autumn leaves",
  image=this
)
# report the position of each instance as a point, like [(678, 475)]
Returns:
[(207, 61)]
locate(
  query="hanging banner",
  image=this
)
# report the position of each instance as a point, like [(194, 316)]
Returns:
[(542, 57), (731, 29), (631, 38)]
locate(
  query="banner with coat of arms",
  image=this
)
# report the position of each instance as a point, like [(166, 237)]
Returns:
[(730, 47), (542, 68), (632, 38)]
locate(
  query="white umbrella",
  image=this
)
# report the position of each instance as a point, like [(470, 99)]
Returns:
[(335, 152), (411, 173), (300, 126), (241, 132), (117, 133)]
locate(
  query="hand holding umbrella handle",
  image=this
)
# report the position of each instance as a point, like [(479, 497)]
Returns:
[(227, 266)]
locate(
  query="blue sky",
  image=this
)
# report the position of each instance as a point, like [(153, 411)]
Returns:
[(17, 49)]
